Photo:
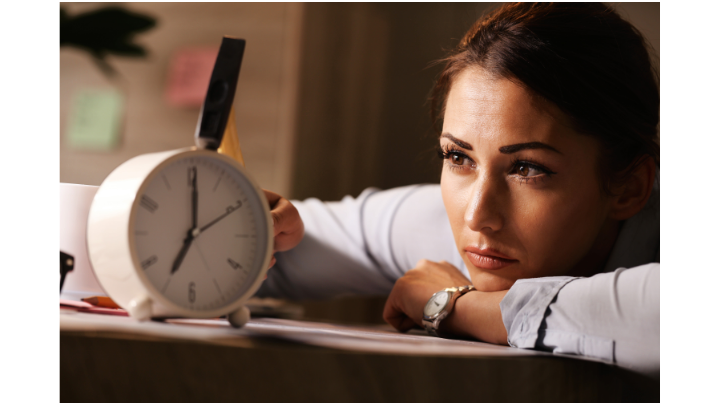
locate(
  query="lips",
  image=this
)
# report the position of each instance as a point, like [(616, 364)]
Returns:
[(488, 259)]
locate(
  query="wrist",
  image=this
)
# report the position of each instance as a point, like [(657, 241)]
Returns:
[(477, 314), (440, 305)]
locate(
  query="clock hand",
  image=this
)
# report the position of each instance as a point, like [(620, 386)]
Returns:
[(194, 197), (183, 251), (229, 210), (193, 231)]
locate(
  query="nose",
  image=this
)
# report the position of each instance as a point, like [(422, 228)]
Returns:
[(484, 212)]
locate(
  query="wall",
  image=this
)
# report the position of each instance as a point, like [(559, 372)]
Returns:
[(332, 97), (365, 77), (264, 102)]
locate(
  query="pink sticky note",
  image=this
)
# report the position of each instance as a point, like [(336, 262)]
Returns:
[(189, 76)]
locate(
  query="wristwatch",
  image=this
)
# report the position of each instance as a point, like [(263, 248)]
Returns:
[(440, 305)]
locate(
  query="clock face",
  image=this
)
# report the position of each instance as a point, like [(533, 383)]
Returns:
[(200, 232), (436, 303)]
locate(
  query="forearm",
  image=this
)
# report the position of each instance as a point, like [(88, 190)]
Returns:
[(477, 315)]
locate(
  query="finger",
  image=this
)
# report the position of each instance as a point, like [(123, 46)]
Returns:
[(285, 217), (406, 325), (395, 315), (272, 263), (288, 227), (454, 276), (424, 263), (272, 198), (400, 322)]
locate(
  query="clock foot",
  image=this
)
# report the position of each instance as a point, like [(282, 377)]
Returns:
[(140, 308), (239, 317)]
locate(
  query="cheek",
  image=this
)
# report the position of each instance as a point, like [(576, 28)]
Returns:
[(558, 230)]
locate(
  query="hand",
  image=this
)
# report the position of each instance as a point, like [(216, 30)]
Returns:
[(404, 307), (475, 314), (288, 227)]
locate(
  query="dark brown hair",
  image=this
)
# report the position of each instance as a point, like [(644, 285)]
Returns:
[(585, 59)]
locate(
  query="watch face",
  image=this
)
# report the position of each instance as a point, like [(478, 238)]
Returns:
[(436, 304), (200, 232)]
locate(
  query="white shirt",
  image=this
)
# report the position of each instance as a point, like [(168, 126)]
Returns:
[(362, 245)]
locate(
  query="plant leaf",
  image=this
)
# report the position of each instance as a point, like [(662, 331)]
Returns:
[(105, 31)]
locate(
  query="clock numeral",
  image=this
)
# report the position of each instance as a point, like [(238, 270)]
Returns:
[(167, 184), (217, 183), (147, 203), (191, 292), (235, 265), (148, 262), (232, 208)]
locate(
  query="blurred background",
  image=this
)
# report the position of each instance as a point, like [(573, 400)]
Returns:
[(332, 97)]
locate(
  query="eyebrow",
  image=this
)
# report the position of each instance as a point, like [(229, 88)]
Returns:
[(509, 149), (459, 143), (528, 145)]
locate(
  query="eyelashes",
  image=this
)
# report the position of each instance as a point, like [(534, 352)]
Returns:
[(522, 169), (453, 155)]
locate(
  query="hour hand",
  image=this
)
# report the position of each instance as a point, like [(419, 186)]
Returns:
[(183, 251)]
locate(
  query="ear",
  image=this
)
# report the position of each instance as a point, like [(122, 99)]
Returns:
[(630, 197)]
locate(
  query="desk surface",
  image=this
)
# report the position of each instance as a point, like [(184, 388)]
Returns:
[(107, 358)]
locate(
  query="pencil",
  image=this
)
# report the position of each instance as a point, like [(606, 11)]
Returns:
[(104, 302)]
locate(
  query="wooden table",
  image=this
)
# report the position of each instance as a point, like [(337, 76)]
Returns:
[(107, 358)]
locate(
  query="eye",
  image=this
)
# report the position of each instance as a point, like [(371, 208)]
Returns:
[(455, 157), (526, 169)]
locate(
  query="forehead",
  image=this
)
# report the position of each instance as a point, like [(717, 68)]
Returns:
[(497, 109)]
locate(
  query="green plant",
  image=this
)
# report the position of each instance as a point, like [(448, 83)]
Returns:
[(105, 31)]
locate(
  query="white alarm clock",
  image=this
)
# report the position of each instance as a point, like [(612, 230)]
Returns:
[(184, 233)]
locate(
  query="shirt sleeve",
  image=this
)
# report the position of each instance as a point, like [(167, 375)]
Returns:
[(361, 246), (613, 317)]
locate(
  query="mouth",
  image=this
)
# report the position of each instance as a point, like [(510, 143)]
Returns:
[(488, 259)]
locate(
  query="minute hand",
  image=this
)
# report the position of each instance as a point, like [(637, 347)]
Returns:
[(229, 210)]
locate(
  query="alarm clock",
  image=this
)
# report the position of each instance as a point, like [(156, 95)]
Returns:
[(188, 232)]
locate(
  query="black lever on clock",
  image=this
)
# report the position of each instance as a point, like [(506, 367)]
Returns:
[(220, 95)]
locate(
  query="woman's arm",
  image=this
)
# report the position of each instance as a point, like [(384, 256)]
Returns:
[(614, 317), (362, 245), (475, 314)]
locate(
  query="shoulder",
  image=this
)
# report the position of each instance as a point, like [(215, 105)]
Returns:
[(417, 226)]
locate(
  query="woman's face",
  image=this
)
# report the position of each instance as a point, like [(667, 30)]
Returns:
[(520, 186)]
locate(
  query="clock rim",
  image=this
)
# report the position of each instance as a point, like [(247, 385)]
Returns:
[(157, 295), (111, 243)]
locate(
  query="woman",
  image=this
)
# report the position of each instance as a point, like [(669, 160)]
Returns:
[(549, 192)]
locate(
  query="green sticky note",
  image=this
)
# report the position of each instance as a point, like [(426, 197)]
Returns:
[(95, 119)]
